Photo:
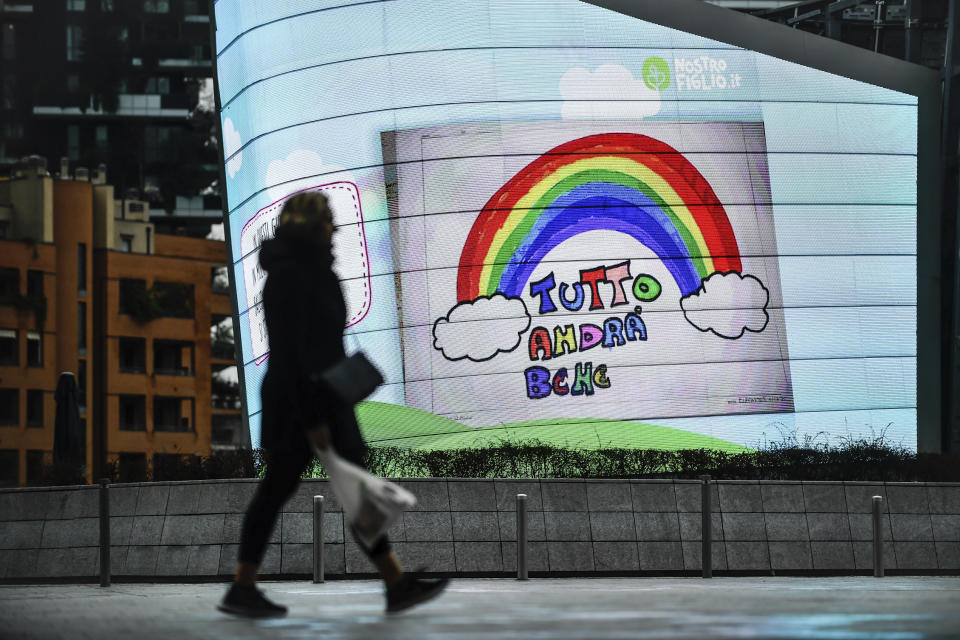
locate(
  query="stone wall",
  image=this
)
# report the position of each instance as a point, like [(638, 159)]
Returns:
[(192, 529)]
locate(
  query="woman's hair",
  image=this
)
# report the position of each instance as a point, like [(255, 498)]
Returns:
[(307, 208)]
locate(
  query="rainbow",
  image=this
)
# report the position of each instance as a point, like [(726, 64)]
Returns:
[(622, 182)]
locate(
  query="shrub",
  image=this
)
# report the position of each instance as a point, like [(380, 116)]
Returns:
[(871, 460)]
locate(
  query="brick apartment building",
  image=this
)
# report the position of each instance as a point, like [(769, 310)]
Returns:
[(140, 318)]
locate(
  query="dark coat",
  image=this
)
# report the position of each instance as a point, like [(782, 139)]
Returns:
[(305, 315)]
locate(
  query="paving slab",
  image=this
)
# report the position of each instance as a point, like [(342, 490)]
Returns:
[(852, 608)]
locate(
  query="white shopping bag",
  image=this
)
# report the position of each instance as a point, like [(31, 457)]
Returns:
[(370, 504)]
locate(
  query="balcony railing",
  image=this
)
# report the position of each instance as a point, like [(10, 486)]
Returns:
[(173, 371), (225, 402)]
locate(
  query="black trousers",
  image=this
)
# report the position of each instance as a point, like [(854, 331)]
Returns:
[(284, 469)]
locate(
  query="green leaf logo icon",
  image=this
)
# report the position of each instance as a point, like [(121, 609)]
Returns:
[(656, 73)]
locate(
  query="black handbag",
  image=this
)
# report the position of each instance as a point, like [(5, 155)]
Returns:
[(352, 379)]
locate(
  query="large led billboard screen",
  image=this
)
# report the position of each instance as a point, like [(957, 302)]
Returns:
[(566, 224)]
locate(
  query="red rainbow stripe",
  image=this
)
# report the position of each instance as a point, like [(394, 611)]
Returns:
[(697, 195)]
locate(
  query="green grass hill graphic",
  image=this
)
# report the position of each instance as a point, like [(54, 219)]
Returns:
[(389, 425)]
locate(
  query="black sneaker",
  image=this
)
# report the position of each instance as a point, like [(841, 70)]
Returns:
[(410, 591), (249, 601)]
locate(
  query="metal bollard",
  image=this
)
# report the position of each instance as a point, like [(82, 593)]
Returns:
[(877, 538), (104, 532), (706, 527), (522, 536), (318, 539)]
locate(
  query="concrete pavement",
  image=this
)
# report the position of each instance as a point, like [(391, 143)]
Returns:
[(854, 608)]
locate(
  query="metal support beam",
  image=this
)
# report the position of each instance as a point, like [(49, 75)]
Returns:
[(318, 559), (951, 237), (877, 537), (104, 532), (840, 5), (878, 19), (706, 527), (800, 17), (522, 573), (912, 34)]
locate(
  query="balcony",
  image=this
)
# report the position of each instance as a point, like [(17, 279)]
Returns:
[(128, 105), (172, 358), (18, 7)]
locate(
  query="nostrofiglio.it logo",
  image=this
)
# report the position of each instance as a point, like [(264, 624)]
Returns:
[(656, 73)]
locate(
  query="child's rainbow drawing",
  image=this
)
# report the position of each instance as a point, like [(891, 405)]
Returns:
[(623, 182)]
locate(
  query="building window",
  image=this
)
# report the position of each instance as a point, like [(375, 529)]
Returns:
[(219, 279), (133, 296), (172, 358), (82, 328), (74, 42), (225, 428), (133, 355), (81, 269), (221, 337), (175, 299), (9, 348), (172, 414), (73, 142), (9, 467), (133, 413), (83, 438), (224, 388), (106, 6), (12, 130), (34, 407), (132, 467), (82, 383), (155, 140), (76, 5), (35, 465), (34, 349), (102, 137), (34, 283), (9, 282), (156, 6), (9, 91), (126, 243), (158, 85), (9, 41), (9, 407)]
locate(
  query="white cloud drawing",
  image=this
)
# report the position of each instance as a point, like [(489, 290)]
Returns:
[(300, 170), (231, 145), (728, 304), (609, 92), (481, 328)]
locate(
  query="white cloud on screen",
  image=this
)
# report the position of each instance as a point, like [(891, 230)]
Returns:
[(231, 143), (480, 329), (728, 304), (300, 170), (585, 94)]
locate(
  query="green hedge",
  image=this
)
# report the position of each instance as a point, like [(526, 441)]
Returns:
[(851, 461), (855, 460)]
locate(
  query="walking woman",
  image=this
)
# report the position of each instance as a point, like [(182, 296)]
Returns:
[(305, 316)]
